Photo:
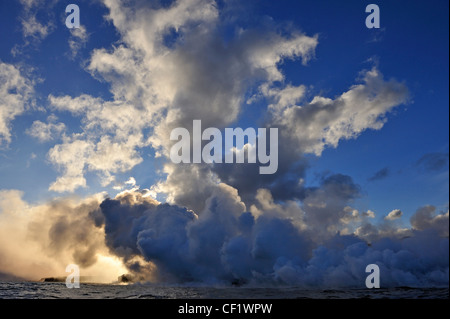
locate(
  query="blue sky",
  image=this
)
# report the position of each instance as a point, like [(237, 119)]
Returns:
[(411, 46)]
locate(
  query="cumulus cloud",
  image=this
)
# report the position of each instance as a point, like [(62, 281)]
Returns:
[(158, 87), (426, 218), (16, 92), (395, 214), (369, 214), (112, 134), (313, 126), (45, 132), (70, 158), (324, 121)]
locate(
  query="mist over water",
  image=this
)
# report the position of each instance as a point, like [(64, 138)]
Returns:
[(225, 244)]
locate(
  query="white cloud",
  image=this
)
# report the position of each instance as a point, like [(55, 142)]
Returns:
[(156, 88), (15, 97), (324, 121), (70, 157), (199, 73), (131, 181), (393, 215), (78, 155), (266, 206), (76, 106), (351, 215), (426, 218), (33, 28), (283, 98), (77, 40), (266, 52), (115, 156), (369, 214), (112, 135), (28, 4), (45, 132)]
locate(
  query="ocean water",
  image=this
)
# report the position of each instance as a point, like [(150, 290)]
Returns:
[(41, 290)]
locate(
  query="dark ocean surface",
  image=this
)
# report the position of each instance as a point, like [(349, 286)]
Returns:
[(40, 290)]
